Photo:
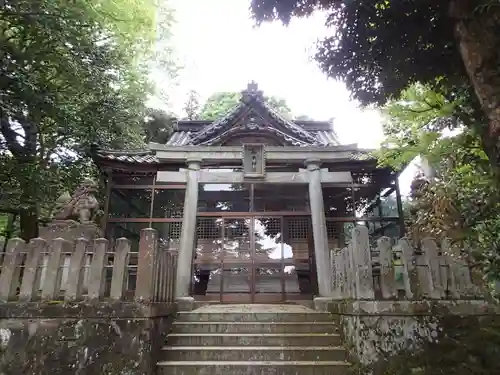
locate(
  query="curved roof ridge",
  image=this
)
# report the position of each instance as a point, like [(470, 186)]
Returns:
[(252, 99), (289, 123), (246, 101), (218, 122), (287, 137)]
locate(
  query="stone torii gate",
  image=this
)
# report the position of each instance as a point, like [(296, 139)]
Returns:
[(313, 175)]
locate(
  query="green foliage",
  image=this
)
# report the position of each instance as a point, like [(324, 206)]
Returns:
[(158, 125), (220, 103), (4, 222), (413, 126), (73, 74), (192, 105), (380, 47), (462, 202), (279, 105)]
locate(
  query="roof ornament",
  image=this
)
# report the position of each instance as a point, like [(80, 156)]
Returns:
[(252, 91)]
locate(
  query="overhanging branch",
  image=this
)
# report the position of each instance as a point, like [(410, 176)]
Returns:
[(10, 137)]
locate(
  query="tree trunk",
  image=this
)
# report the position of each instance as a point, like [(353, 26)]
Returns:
[(478, 35), (29, 223), (28, 213)]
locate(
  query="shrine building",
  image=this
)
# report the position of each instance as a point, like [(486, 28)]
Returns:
[(252, 202)]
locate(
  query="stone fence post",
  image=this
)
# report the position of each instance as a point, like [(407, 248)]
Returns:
[(362, 263), (387, 272), (146, 275), (31, 278), (155, 270), (9, 278)]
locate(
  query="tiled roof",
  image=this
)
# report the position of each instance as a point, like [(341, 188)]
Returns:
[(133, 157), (214, 127), (323, 138), (327, 137), (300, 133), (294, 134), (294, 128), (146, 157), (180, 138)]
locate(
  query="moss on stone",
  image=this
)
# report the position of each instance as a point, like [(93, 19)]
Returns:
[(463, 346), (110, 339)]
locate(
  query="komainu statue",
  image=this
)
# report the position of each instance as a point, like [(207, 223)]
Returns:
[(81, 206)]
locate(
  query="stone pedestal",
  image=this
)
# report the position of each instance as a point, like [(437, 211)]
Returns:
[(70, 230)]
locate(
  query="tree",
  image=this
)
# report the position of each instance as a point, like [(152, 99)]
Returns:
[(414, 125), (158, 125), (192, 105), (71, 76), (218, 104), (461, 201), (379, 47), (163, 65), (279, 105)]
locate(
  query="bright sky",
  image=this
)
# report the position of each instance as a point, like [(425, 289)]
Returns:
[(221, 50)]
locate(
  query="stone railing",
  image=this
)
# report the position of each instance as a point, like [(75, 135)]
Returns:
[(81, 270), (399, 272)]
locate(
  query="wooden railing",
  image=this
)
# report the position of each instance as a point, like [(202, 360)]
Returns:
[(81, 270), (399, 271)]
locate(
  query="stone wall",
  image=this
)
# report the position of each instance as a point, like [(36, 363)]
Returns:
[(416, 310), (114, 338), (414, 337), (68, 306)]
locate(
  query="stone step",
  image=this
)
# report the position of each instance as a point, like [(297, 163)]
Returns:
[(189, 316), (208, 304), (253, 368), (254, 339), (253, 353), (254, 327)]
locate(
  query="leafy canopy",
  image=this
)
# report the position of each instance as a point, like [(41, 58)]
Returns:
[(378, 47), (461, 201), (416, 124), (219, 103), (72, 74)]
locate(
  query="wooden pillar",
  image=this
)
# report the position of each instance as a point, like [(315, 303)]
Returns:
[(321, 250), (107, 199), (188, 233)]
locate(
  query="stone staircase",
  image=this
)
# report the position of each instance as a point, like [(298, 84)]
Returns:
[(253, 340)]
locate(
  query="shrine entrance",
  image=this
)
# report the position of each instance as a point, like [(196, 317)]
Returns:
[(231, 196), (261, 254)]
